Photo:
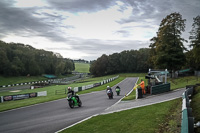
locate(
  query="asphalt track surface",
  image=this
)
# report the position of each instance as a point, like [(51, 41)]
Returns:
[(53, 116)]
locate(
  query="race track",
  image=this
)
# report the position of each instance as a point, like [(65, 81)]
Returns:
[(52, 116)]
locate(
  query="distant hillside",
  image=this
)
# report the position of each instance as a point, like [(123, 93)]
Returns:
[(82, 67)]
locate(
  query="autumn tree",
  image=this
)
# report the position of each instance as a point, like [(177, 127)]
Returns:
[(167, 48), (195, 42)]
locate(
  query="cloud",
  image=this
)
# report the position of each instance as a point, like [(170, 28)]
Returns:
[(81, 5), (22, 22), (89, 28)]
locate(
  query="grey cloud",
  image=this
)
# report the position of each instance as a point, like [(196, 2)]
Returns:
[(81, 5), (123, 33), (22, 23)]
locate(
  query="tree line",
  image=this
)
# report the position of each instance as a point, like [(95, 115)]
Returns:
[(17, 59), (126, 61), (166, 51)]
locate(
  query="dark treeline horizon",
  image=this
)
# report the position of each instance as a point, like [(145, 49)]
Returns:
[(17, 59)]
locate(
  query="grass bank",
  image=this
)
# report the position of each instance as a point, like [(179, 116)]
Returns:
[(139, 120), (196, 107), (181, 82), (25, 79)]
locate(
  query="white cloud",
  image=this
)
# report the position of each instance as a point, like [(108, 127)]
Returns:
[(87, 28)]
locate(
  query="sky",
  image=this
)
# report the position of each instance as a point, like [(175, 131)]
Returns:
[(86, 29)]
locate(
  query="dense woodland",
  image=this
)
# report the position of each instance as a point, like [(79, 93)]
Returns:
[(21, 60), (166, 51)]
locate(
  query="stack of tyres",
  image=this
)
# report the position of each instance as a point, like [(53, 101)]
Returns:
[(140, 93)]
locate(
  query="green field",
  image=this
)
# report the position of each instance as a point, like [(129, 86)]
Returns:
[(20, 79), (149, 119), (24, 79), (82, 67)]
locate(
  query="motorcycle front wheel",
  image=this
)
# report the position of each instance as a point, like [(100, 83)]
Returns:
[(71, 104)]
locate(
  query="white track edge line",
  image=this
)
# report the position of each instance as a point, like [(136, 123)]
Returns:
[(140, 106)]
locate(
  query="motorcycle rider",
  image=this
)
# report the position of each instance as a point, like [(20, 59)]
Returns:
[(117, 88), (73, 93), (109, 88)]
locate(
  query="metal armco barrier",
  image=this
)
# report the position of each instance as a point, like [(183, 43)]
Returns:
[(187, 123), (160, 88)]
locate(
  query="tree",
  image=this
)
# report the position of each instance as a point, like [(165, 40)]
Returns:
[(195, 41), (168, 45)]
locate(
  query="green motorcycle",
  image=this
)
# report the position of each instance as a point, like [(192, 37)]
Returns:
[(117, 89), (73, 101)]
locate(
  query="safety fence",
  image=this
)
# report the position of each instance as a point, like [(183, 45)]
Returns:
[(160, 88), (187, 123), (54, 81), (22, 96), (76, 89)]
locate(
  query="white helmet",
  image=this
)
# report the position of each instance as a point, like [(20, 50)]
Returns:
[(108, 86), (69, 88)]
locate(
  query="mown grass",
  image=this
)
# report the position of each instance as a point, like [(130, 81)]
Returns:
[(181, 82), (82, 67), (196, 107), (139, 120), (20, 79), (25, 79)]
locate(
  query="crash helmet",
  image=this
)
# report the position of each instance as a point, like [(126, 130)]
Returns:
[(108, 86), (69, 88)]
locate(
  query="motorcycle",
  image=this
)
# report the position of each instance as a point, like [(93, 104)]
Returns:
[(73, 101), (110, 94), (117, 91)]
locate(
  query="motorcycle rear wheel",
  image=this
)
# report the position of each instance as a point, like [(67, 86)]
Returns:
[(80, 103)]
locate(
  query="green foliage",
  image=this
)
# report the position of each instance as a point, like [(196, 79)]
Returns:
[(20, 60), (195, 43), (138, 120), (167, 48), (126, 61)]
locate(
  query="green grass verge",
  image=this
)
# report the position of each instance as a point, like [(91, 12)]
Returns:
[(139, 120), (181, 82), (24, 79), (82, 67), (20, 79), (196, 107)]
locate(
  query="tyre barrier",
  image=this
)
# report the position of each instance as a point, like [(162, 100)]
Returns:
[(187, 123)]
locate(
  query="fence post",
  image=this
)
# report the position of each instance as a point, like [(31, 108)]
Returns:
[(1, 99)]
